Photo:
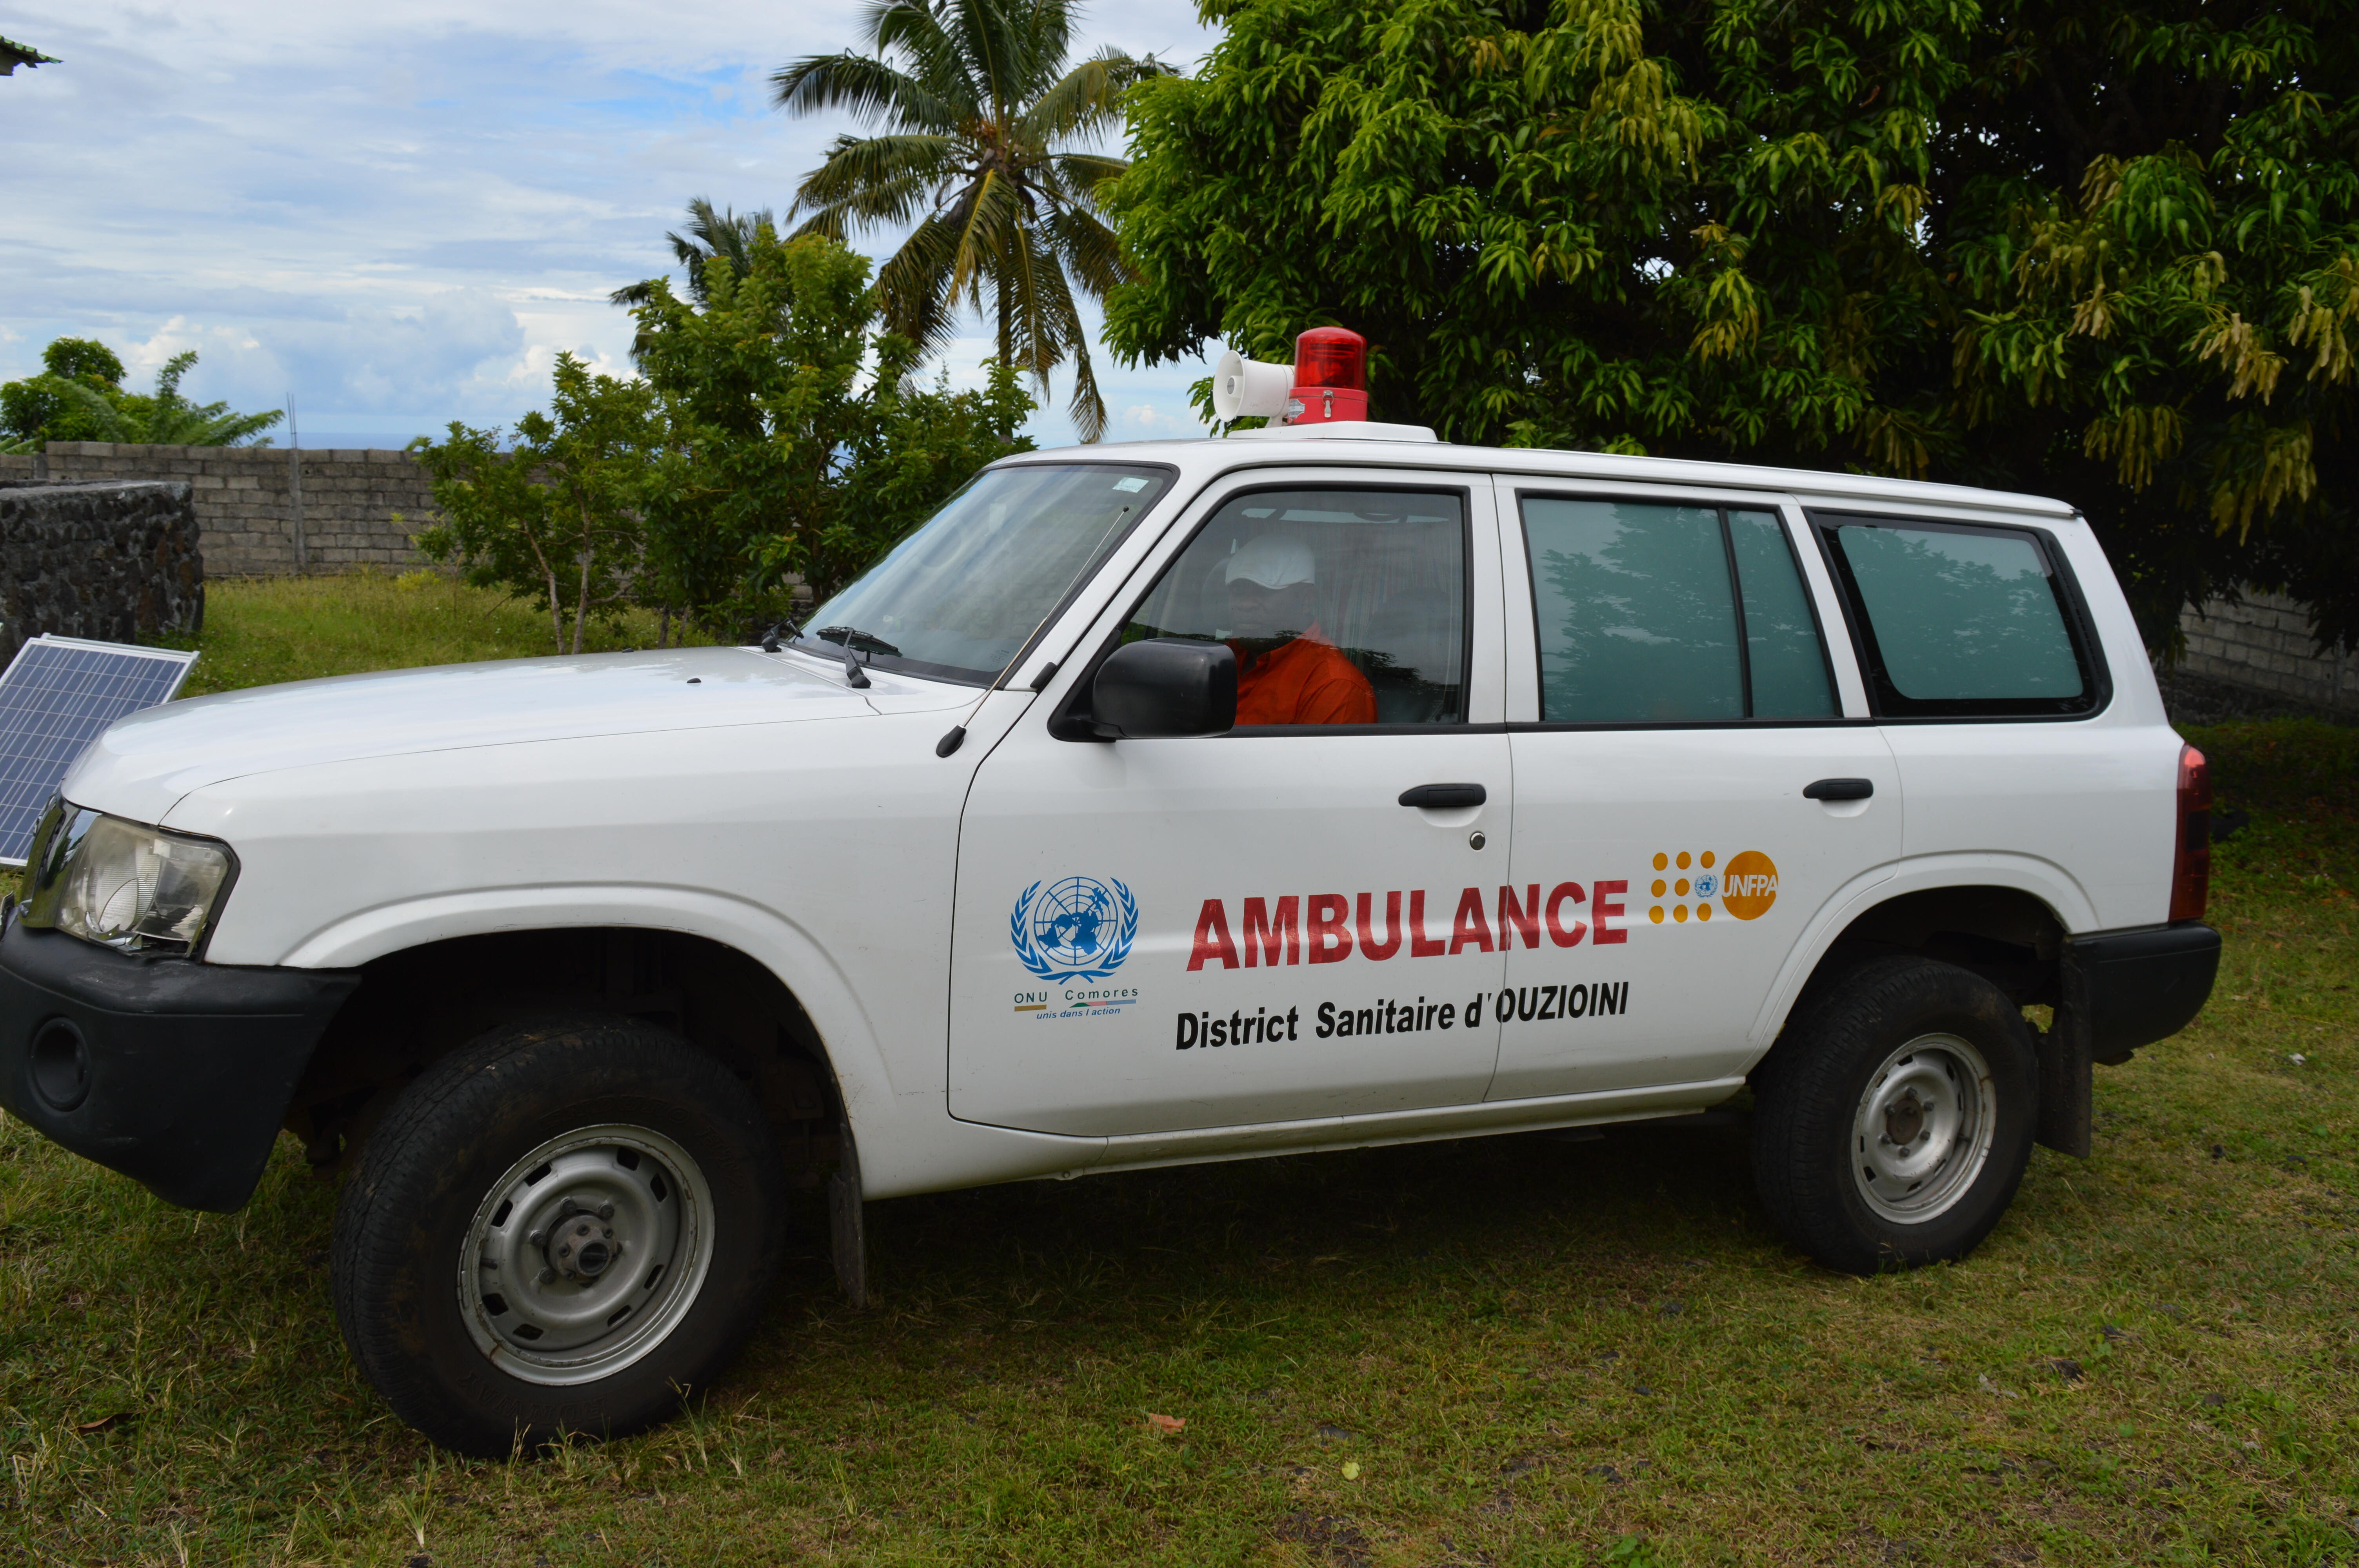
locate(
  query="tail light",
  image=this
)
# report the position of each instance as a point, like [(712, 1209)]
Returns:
[(2190, 869)]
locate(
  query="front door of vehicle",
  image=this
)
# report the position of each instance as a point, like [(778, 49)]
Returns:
[(1162, 934), (1688, 790)]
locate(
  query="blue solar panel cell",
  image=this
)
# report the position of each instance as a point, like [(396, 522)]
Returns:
[(59, 693)]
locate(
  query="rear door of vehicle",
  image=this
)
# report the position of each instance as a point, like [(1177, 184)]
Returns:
[(1696, 776), (1984, 667)]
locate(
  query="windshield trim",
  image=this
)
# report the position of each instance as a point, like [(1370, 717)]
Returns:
[(810, 642)]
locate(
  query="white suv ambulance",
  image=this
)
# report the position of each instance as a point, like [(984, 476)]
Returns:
[(1321, 786)]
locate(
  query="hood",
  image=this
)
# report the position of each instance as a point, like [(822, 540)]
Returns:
[(146, 761)]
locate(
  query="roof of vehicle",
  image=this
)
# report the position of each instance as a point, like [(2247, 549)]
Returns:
[(1344, 443)]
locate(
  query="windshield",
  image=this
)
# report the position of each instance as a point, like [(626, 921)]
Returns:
[(959, 598)]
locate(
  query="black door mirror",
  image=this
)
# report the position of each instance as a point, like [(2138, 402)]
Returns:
[(1166, 686)]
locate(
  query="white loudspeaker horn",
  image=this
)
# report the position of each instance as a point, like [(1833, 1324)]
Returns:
[(1244, 388)]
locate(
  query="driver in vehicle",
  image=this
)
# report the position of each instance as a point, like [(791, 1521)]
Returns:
[(1288, 672)]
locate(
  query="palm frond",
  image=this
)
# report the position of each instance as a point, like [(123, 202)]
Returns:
[(990, 217), (913, 31), (980, 103), (1088, 250), (868, 89), (1073, 179), (1088, 99), (106, 419), (915, 285), (876, 180), (1061, 334)]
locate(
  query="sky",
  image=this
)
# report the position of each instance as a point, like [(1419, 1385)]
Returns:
[(398, 214)]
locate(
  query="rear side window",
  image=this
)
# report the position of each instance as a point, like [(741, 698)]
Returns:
[(1958, 621), (1652, 613)]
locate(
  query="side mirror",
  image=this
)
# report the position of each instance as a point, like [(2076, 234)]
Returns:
[(1166, 686)]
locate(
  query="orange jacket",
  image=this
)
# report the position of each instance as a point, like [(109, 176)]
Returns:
[(1307, 681)]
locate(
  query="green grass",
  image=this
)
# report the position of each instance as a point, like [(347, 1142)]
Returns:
[(259, 630), (1506, 1351)]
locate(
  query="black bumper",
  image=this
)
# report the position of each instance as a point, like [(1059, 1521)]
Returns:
[(2138, 987), (175, 1073)]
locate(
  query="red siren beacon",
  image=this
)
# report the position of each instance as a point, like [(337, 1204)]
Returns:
[(1327, 383), (1331, 375)]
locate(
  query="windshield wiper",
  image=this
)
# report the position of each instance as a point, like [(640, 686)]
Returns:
[(853, 675), (847, 635)]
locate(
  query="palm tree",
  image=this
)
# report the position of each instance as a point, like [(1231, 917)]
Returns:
[(167, 419), (725, 235), (981, 116)]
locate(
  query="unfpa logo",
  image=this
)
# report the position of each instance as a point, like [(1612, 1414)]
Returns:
[(1747, 886), (1075, 929)]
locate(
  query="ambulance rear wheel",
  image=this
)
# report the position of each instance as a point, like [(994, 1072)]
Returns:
[(1895, 1119), (560, 1228)]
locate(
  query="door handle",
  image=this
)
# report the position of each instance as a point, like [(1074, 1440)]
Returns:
[(1444, 797), (1839, 789)]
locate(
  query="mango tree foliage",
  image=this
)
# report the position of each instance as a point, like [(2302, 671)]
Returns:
[(775, 441), (2107, 252), (802, 446), (559, 516)]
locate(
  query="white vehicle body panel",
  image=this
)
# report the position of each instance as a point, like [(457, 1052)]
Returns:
[(1227, 819), (756, 800)]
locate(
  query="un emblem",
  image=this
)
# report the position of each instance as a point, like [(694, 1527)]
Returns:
[(1074, 929)]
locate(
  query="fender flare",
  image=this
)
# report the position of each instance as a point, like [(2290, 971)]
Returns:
[(804, 966), (2032, 875)]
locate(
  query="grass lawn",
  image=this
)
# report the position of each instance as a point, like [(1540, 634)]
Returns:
[(1506, 1351), (258, 631)]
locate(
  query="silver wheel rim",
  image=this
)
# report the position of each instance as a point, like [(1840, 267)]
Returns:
[(586, 1254), (1924, 1129)]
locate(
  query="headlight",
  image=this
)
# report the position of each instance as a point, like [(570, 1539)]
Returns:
[(126, 886)]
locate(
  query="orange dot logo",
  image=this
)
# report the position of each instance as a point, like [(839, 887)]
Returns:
[(1749, 886)]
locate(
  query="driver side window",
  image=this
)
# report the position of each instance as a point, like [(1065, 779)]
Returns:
[(1343, 606)]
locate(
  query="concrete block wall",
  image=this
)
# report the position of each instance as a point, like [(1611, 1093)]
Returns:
[(2263, 645), (246, 499)]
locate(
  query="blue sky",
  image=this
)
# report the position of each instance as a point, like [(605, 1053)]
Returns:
[(399, 214)]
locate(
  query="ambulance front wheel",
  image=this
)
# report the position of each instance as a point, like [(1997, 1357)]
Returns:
[(1895, 1121), (560, 1228)]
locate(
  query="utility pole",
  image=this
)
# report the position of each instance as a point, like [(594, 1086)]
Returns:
[(295, 485)]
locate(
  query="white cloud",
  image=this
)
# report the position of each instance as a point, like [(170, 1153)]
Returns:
[(1148, 419), (399, 214)]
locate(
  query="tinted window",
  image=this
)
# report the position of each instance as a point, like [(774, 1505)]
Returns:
[(1636, 621), (1641, 619), (1959, 620), (1787, 662), (1345, 606)]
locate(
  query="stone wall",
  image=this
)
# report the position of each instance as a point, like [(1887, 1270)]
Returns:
[(268, 511), (117, 563), (2263, 645)]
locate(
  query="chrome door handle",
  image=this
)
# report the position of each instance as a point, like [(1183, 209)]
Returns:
[(1839, 789), (1444, 797)]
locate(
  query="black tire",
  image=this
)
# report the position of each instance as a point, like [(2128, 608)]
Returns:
[(1824, 1161), (422, 1195)]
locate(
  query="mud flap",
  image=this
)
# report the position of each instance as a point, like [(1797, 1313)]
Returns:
[(847, 1229), (2068, 1068)]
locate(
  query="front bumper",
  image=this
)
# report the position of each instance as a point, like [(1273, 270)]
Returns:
[(173, 1072)]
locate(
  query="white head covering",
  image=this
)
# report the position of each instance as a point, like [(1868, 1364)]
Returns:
[(1274, 561)]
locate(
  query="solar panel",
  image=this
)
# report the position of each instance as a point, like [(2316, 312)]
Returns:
[(57, 695)]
